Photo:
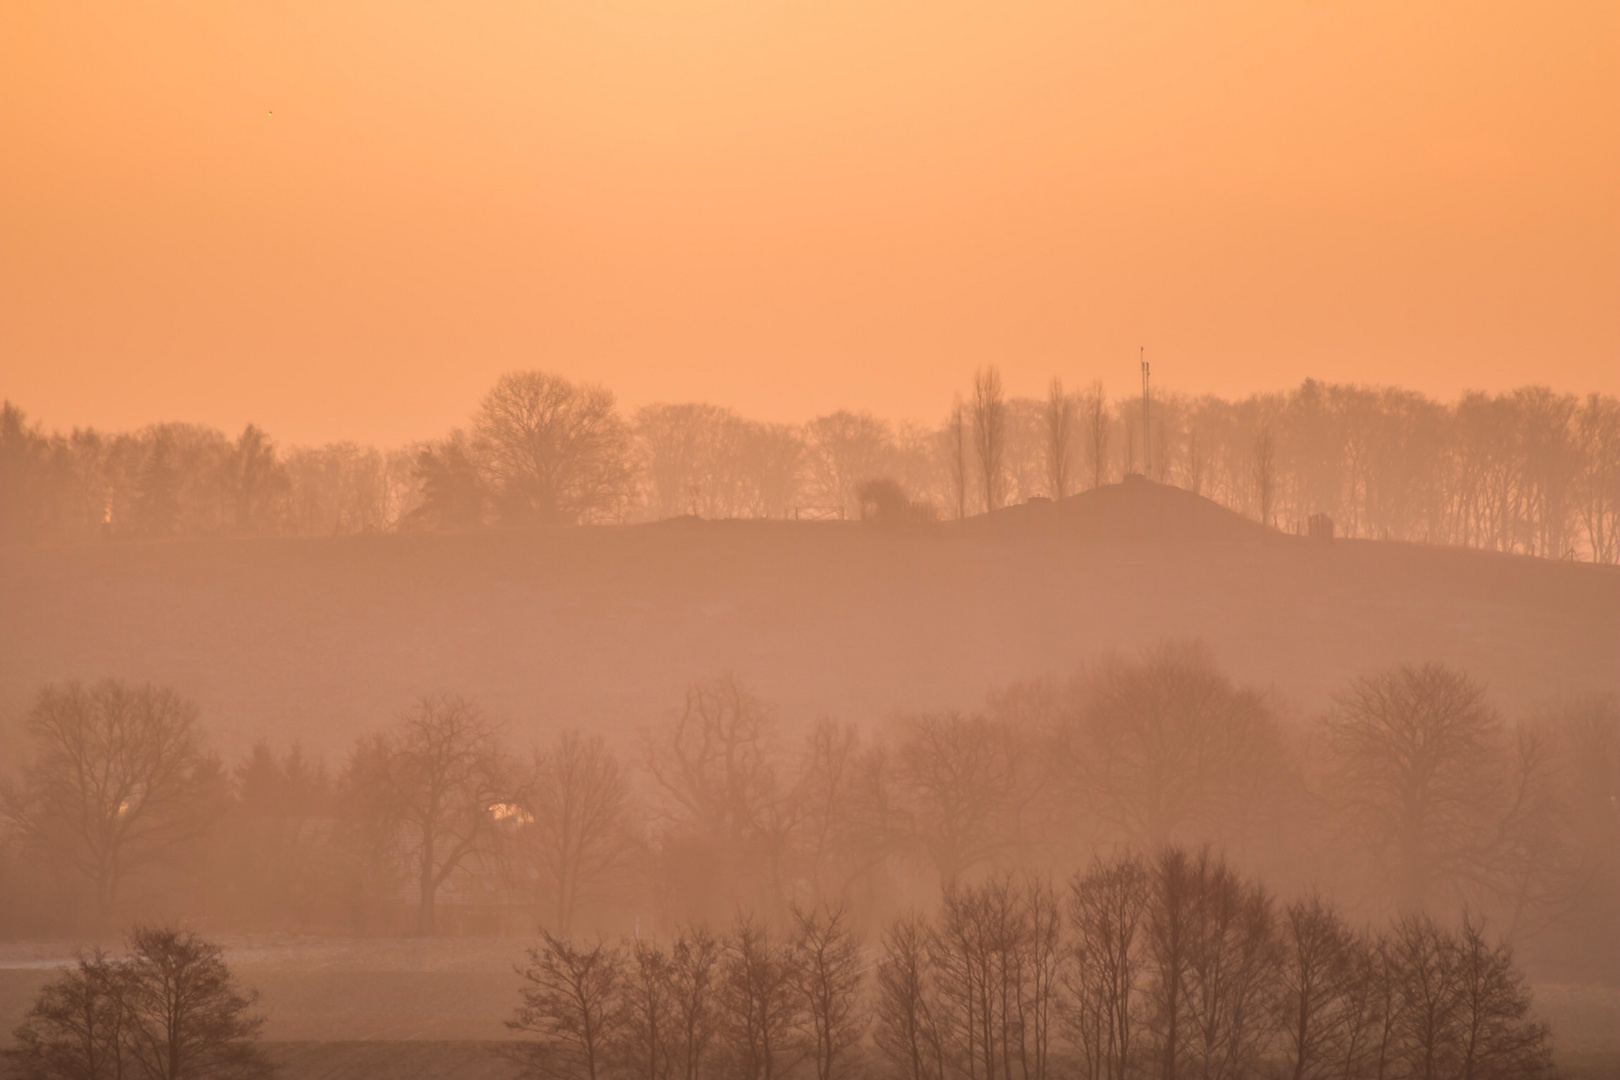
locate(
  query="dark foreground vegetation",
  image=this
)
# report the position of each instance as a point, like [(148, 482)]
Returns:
[(1531, 472), (1170, 966), (167, 1010)]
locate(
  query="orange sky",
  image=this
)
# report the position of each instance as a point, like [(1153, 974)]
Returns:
[(343, 219)]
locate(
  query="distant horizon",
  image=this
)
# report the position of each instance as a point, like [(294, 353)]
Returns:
[(336, 432)]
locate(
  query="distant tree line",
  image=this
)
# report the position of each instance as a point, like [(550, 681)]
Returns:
[(1531, 471), (1411, 794), (1170, 966)]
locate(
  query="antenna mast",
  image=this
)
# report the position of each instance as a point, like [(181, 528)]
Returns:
[(1147, 443)]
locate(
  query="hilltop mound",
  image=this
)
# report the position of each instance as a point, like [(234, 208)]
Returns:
[(1134, 511), (602, 627)]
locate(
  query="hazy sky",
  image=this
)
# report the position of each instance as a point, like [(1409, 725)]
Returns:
[(345, 219)]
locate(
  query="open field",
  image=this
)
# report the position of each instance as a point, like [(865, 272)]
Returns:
[(318, 640), (338, 1008)]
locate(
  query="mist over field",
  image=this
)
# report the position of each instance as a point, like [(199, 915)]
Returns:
[(837, 540), (1008, 738)]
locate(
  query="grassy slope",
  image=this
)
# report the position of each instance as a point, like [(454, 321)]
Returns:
[(602, 627)]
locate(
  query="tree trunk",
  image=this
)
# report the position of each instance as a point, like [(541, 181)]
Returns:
[(429, 887)]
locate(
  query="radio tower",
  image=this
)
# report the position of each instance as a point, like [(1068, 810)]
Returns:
[(1147, 443)]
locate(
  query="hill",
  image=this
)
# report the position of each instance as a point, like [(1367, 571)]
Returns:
[(601, 627)]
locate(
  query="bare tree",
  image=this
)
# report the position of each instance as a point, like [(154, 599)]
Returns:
[(445, 781), (258, 481), (184, 1014), (580, 833), (1032, 971), (1497, 1036), (75, 1030), (1265, 472), (715, 769), (990, 436), (763, 1017), (956, 452), (1107, 910), (1598, 479), (1166, 748), (1315, 1000), (117, 782), (1060, 423), (556, 452), (1233, 972), (170, 1009), (1172, 912), (646, 1021), (1096, 410), (961, 960), (709, 461), (570, 1000), (958, 783), (906, 1010), (1196, 465), (996, 951), (844, 450), (1412, 752), (835, 831), (826, 970), (694, 988), (1426, 1013)]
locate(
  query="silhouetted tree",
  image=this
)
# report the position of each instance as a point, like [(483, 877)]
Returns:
[(117, 781), (1108, 906), (580, 832), (958, 786), (75, 1028), (1060, 422), (763, 1017), (826, 971), (1171, 930), (884, 502), (184, 1015), (452, 492), (445, 781), (556, 452), (1316, 1001), (843, 451), (990, 436), (1265, 472), (258, 481), (1166, 748), (1498, 1039), (275, 844), (157, 500), (1096, 411), (694, 996), (1413, 750), (715, 768), (570, 999), (646, 1026), (957, 439), (1233, 972), (171, 1010), (906, 1009), (709, 461)]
